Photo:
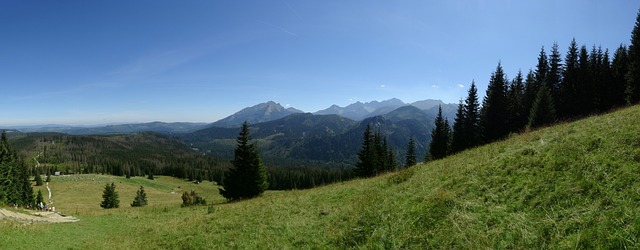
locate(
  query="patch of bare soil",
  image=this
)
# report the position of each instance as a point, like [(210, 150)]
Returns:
[(40, 216)]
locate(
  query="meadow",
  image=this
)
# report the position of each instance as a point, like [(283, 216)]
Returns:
[(573, 185)]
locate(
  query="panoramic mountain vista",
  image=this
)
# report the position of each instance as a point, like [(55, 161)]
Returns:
[(156, 133)]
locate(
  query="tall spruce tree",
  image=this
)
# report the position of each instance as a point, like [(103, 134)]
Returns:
[(38, 178), (110, 197), (619, 69), (248, 177), (466, 128), (440, 136), (516, 110), (472, 127), (15, 187), (584, 77), (553, 80), (365, 165), (458, 138), (568, 101), (494, 113), (543, 111), (633, 74), (411, 158)]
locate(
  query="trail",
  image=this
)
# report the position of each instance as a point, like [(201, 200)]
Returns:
[(48, 189), (46, 217)]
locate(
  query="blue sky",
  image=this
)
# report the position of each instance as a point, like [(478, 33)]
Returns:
[(96, 62)]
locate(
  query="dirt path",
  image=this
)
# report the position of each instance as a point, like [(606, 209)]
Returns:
[(46, 217)]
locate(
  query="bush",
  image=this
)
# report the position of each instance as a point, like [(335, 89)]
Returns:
[(192, 199)]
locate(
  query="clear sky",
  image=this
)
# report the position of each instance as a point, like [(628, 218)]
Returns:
[(96, 62)]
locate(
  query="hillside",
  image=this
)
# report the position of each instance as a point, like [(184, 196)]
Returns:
[(573, 185), (134, 154)]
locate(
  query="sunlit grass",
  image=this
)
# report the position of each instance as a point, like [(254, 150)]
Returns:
[(575, 185)]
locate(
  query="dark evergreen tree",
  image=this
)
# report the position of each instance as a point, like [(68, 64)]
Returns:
[(39, 199), (48, 177), (494, 113), (38, 178), (467, 131), (472, 117), (633, 73), (365, 165), (411, 158), (141, 198), (391, 160), (553, 80), (516, 110), (568, 103), (619, 69), (379, 153), (110, 197), (15, 187), (543, 111), (440, 137), (248, 177), (584, 76), (458, 136)]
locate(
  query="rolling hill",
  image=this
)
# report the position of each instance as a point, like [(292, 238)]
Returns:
[(573, 185)]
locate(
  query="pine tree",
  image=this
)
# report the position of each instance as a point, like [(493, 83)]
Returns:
[(440, 136), (517, 119), (494, 113), (543, 111), (15, 187), (633, 74), (619, 69), (141, 198), (411, 158), (569, 95), (38, 178), (365, 165), (39, 198), (584, 77), (458, 136), (248, 177), (553, 81), (467, 131), (110, 197)]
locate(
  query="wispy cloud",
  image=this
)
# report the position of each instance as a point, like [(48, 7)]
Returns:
[(460, 85), (280, 28)]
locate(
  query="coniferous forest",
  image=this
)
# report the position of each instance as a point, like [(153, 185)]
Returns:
[(586, 81)]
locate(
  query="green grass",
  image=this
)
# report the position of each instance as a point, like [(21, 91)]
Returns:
[(575, 185)]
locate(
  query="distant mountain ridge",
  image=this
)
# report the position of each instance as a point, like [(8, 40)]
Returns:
[(330, 139), (262, 112), (359, 111), (158, 127)]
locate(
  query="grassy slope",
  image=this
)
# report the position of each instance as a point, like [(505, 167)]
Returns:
[(572, 185)]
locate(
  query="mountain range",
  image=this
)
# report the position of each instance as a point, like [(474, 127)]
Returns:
[(290, 137)]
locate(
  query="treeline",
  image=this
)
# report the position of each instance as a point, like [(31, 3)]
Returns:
[(585, 82), (15, 187), (143, 154), (149, 154)]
